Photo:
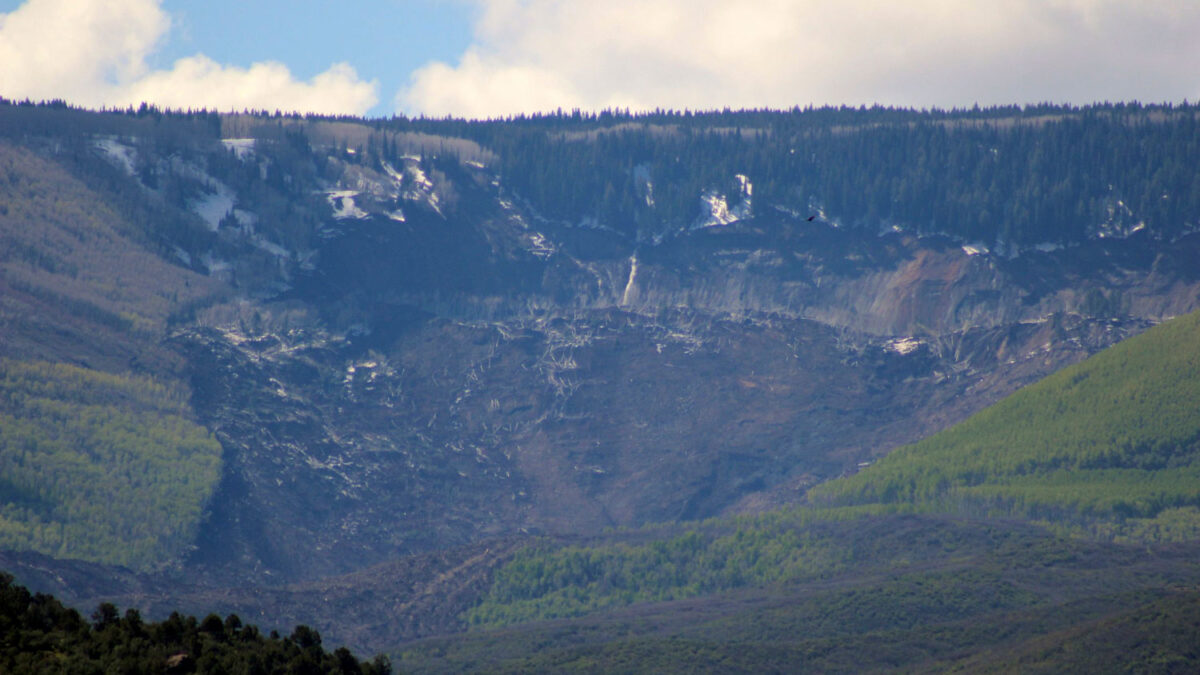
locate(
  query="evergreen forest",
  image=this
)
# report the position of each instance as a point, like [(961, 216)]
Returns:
[(1008, 177), (38, 635)]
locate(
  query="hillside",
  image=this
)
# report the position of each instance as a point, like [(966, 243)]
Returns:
[(908, 594), (1102, 448), (372, 360), (1109, 446), (85, 456), (96, 424)]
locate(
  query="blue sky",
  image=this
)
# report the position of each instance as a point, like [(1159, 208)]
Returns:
[(385, 40), (487, 58)]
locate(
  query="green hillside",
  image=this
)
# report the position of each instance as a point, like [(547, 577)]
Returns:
[(99, 467), (907, 594), (1109, 447), (96, 462)]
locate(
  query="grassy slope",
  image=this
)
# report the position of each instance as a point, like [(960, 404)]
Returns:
[(1110, 446)]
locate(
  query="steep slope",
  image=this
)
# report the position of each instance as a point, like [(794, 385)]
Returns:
[(1110, 444), (79, 285)]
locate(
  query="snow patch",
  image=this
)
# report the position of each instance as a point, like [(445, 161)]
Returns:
[(393, 173), (976, 248), (413, 184), (419, 177), (118, 154), (342, 202), (214, 207), (903, 346), (396, 215), (214, 265), (540, 246), (245, 219), (715, 210), (1117, 225), (793, 213), (746, 186), (241, 147)]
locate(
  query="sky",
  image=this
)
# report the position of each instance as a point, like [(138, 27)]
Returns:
[(493, 58)]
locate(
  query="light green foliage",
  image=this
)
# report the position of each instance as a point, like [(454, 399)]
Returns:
[(909, 594), (576, 580), (720, 555), (1104, 447), (99, 467)]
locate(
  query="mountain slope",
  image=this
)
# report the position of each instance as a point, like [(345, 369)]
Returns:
[(1105, 448), (411, 337), (96, 427), (1112, 443)]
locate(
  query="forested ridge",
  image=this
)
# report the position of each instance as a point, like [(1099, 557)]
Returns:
[(1009, 176), (1002, 176)]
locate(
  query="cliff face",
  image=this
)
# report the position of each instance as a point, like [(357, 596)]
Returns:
[(473, 372)]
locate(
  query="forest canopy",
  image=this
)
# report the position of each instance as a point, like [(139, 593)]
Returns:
[(99, 466)]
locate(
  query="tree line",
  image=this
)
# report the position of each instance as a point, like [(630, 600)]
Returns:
[(40, 635)]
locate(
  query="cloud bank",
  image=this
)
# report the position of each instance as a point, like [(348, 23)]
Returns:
[(93, 53), (530, 55)]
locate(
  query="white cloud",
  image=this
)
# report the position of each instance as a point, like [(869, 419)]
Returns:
[(93, 53), (542, 54)]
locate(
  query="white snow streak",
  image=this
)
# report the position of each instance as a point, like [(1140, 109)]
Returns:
[(629, 287), (118, 154)]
